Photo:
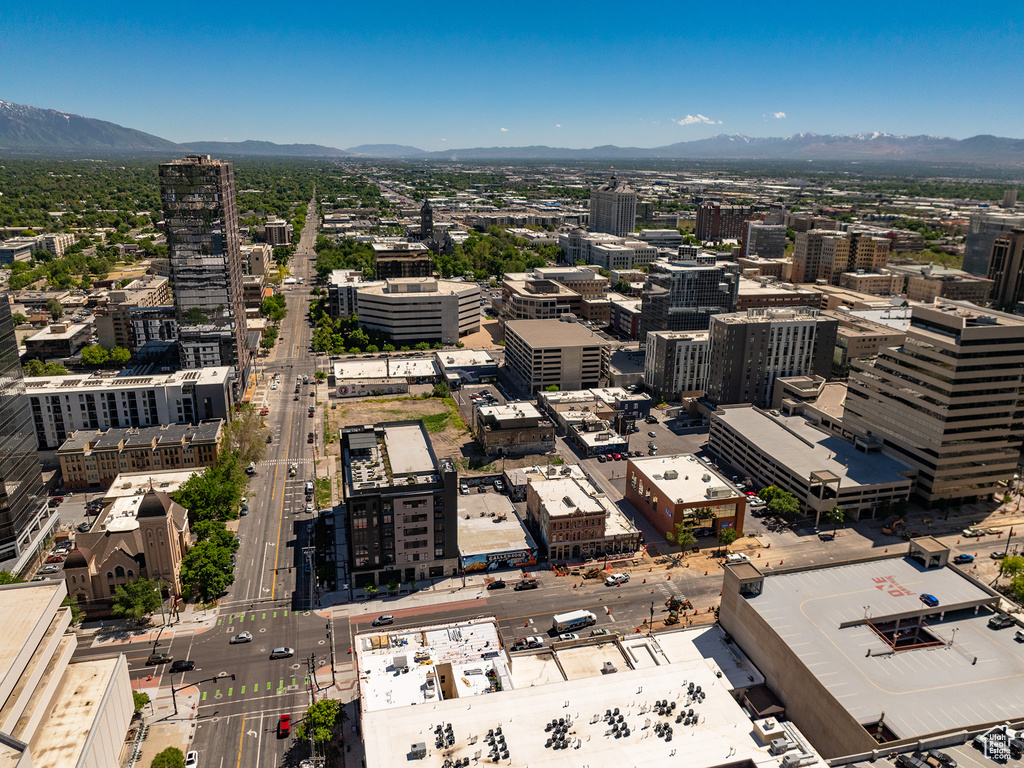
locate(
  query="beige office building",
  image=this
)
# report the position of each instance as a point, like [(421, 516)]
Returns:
[(562, 353), (947, 402), (411, 310)]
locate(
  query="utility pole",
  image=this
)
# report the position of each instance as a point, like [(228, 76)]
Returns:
[(330, 642), (311, 666)]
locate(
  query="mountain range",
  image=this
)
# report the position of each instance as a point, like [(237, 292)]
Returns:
[(31, 129)]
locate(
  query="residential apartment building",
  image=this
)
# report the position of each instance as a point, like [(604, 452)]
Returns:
[(799, 222), (606, 251), (537, 300), (277, 232), (868, 253), (722, 222), (411, 310), (1006, 269), (748, 351), (562, 353), (676, 363), (982, 231), (613, 208), (513, 429), (58, 242), (91, 458), (573, 520), (947, 402), (204, 247), (401, 505), (683, 490), (767, 241), (818, 254), (23, 509), (154, 331), (397, 259), (61, 405), (927, 282), (624, 317), (683, 295), (261, 257), (343, 291), (113, 326), (859, 338)]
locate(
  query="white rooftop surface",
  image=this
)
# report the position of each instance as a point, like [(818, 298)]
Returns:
[(488, 523), (361, 369), (22, 610), (808, 607), (137, 483), (565, 495), (518, 410), (690, 486), (59, 741), (607, 438), (897, 318), (723, 734), (457, 358), (99, 381), (422, 366), (408, 449), (472, 648), (49, 332), (606, 394), (708, 644), (796, 445)]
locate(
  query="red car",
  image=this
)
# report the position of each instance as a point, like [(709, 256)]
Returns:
[(284, 726), (55, 559)]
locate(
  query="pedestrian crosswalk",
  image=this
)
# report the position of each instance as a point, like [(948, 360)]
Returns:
[(269, 688), (242, 616), (275, 462)]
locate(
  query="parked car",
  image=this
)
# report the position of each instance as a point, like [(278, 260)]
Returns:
[(463, 489), (737, 557), (55, 501), (159, 658), (284, 726), (1000, 621), (930, 600), (383, 619), (615, 579), (652, 434), (496, 584), (963, 559), (309, 437), (599, 632), (526, 584), (49, 569), (567, 636), (241, 637), (244, 510), (309, 509), (283, 652), (601, 458), (1019, 636), (183, 665), (651, 419), (499, 486), (972, 532), (192, 759), (994, 555), (56, 558)]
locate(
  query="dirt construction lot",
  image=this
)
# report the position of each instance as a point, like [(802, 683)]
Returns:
[(449, 435)]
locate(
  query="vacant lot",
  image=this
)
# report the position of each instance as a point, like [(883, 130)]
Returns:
[(449, 435)]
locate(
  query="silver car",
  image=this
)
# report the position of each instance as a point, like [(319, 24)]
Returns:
[(241, 637)]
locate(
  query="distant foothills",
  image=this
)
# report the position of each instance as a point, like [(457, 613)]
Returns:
[(30, 129)]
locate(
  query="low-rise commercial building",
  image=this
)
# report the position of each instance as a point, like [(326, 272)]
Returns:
[(604, 250), (343, 287), (91, 458), (513, 429), (537, 300), (57, 712), (62, 405), (876, 283), (776, 268), (466, 366), (574, 521), (491, 535), (683, 490), (928, 282), (562, 353), (821, 469), (58, 340), (411, 310), (812, 397), (17, 249), (765, 292), (858, 338)]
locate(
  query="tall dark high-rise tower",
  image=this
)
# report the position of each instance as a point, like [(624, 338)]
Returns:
[(201, 219), (22, 500)]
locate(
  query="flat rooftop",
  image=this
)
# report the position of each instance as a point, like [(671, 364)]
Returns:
[(408, 449), (566, 683), (801, 448), (488, 523), (685, 478), (24, 610), (517, 410), (972, 669), (555, 333), (464, 358), (59, 331), (99, 381)]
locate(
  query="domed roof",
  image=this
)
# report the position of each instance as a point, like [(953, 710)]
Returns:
[(154, 504), (579, 231), (78, 558)]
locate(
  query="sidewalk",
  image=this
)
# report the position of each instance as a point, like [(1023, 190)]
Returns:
[(191, 620), (166, 729)]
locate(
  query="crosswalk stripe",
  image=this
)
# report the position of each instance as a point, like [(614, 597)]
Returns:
[(204, 696), (230, 690), (243, 689)]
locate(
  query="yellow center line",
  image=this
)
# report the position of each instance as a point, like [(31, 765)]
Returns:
[(280, 522), (273, 487), (240, 737)]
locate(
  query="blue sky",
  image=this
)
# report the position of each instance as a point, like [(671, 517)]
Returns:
[(438, 75)]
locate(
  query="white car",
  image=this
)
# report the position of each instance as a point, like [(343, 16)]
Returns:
[(737, 557), (192, 759), (273, 386), (309, 509), (616, 578), (568, 636)]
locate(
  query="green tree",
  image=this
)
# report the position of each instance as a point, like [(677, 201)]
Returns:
[(835, 515), (682, 536), (320, 376), (6, 577), (784, 505), (77, 614), (141, 699), (551, 388), (94, 355), (269, 338), (441, 390), (214, 493), (171, 757), (136, 599), (120, 357), (55, 308), (206, 569), (19, 318), (423, 346), (1011, 567), (217, 533), (195, 316), (320, 721), (726, 537), (247, 435)]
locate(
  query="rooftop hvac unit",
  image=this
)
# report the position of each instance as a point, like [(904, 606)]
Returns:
[(671, 474), (706, 477), (780, 746), (418, 751)]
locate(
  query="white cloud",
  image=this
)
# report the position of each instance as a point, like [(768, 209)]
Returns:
[(779, 115), (504, 130), (444, 139), (691, 119), (558, 125)]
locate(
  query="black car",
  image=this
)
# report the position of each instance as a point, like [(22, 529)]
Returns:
[(499, 584), (182, 665), (526, 584), (1000, 621)]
